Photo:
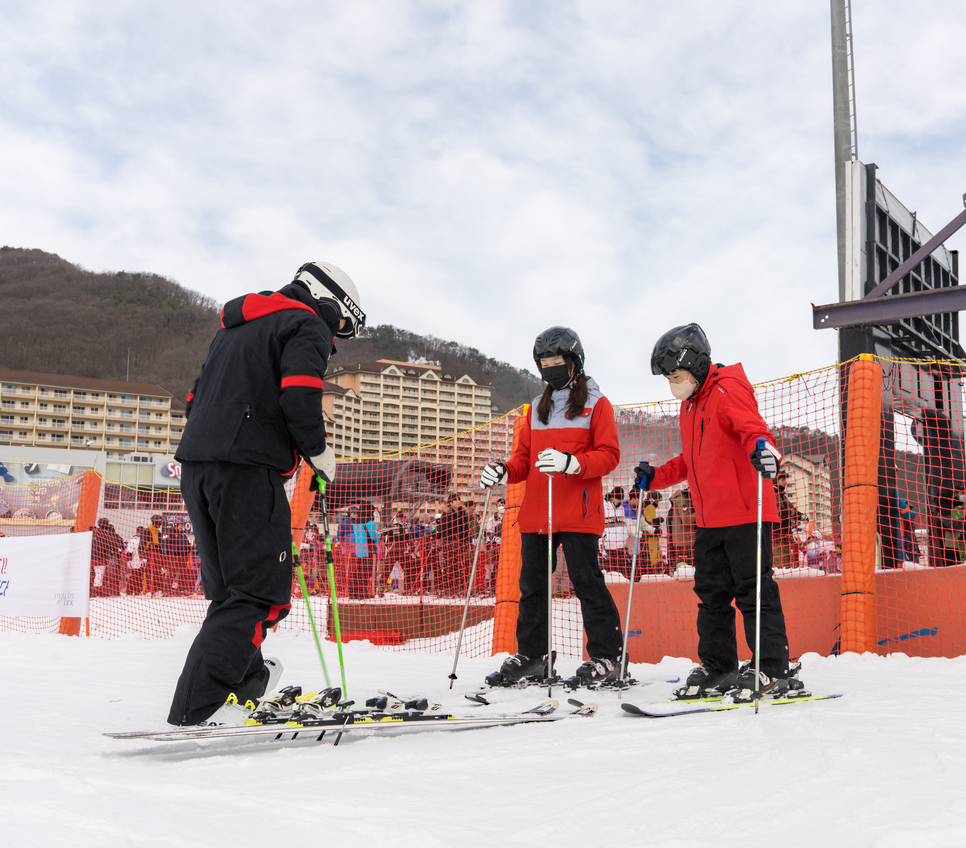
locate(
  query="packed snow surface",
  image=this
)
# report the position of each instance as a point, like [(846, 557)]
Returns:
[(883, 766)]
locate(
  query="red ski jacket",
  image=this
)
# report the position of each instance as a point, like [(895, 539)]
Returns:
[(578, 499), (720, 427)]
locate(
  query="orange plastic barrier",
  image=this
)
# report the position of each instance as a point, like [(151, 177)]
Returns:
[(860, 494)]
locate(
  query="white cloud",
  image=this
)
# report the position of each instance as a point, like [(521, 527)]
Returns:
[(482, 169)]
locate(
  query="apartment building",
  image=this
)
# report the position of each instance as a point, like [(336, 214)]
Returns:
[(809, 487), (388, 407), (114, 416)]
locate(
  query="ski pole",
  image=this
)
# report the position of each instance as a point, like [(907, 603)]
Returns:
[(330, 567), (761, 446), (630, 593), (469, 588), (308, 606), (549, 585)]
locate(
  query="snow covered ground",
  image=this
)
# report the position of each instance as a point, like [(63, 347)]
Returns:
[(884, 766)]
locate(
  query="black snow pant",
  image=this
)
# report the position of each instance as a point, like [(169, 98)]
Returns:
[(601, 620), (724, 571), (241, 521)]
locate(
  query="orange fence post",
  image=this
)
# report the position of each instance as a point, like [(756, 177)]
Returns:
[(508, 571), (90, 498), (860, 498), (302, 501)]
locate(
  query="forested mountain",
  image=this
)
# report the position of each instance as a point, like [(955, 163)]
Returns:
[(59, 318)]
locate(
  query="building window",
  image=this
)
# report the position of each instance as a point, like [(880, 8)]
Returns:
[(60, 393)]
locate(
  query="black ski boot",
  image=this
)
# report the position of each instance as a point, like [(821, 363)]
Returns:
[(597, 670), (744, 690), (705, 682), (519, 668)]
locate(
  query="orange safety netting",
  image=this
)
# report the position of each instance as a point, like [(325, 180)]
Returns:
[(867, 554)]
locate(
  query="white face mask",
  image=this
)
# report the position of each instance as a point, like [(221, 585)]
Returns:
[(684, 389)]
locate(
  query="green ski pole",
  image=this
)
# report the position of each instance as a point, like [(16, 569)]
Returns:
[(308, 606), (330, 567)]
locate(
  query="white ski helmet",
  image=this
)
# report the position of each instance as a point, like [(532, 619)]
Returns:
[(329, 284)]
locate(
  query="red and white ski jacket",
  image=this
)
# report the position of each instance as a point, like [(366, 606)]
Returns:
[(720, 427), (577, 498)]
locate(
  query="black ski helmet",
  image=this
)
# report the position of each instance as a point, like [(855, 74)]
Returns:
[(559, 341), (683, 347)]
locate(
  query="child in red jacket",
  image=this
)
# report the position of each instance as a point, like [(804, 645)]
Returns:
[(569, 433), (720, 427)]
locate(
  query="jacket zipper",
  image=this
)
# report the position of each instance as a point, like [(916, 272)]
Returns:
[(697, 488)]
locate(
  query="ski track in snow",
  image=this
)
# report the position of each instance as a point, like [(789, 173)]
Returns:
[(884, 766)]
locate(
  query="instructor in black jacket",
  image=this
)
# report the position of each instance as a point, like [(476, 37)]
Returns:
[(254, 410)]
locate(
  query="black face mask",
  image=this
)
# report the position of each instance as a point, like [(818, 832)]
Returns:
[(558, 376)]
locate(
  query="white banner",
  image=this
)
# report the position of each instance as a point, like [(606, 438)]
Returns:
[(46, 575)]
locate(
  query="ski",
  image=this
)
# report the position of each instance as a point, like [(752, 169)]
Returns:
[(356, 720), (668, 710), (570, 685)]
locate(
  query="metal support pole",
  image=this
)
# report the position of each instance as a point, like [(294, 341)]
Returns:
[(549, 585), (630, 592)]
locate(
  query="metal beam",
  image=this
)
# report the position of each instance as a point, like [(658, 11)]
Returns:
[(917, 257), (888, 310)]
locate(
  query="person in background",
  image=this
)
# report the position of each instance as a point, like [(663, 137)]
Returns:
[(785, 543), (570, 433), (680, 528), (907, 531), (364, 559), (454, 531), (106, 549), (652, 562), (613, 544), (720, 426), (131, 582)]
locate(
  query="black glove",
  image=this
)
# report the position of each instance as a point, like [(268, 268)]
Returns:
[(765, 462), (644, 474)]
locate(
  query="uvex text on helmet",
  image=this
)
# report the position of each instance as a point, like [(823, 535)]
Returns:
[(683, 347), (559, 341), (329, 284)]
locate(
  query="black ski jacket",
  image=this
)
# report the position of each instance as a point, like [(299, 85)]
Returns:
[(258, 399)]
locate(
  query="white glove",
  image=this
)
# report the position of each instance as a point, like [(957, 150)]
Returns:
[(552, 461), (324, 464), (493, 474)]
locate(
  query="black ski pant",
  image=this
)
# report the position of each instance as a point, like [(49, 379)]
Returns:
[(241, 520), (724, 571), (601, 620)]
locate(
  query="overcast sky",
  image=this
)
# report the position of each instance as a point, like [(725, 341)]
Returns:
[(482, 169)]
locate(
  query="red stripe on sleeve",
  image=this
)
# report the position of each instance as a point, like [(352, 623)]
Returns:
[(302, 380)]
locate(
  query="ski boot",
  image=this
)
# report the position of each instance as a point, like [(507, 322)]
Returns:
[(519, 668), (595, 673), (705, 683), (276, 708), (744, 690), (230, 714)]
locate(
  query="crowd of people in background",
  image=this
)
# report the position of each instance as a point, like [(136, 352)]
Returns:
[(430, 553), (159, 560)]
